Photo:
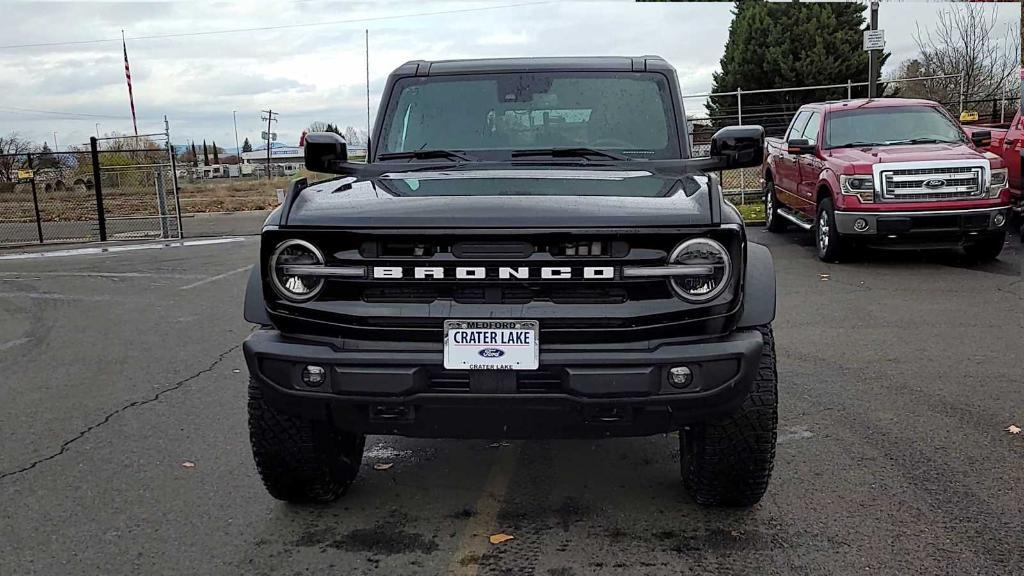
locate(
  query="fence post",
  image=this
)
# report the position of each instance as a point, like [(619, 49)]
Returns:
[(35, 201), (174, 176), (98, 187), (739, 115)]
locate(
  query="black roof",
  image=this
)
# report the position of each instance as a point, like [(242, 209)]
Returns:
[(579, 63)]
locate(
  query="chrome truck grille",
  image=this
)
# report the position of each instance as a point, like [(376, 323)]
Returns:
[(932, 184)]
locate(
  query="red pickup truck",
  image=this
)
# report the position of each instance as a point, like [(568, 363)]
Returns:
[(1008, 144), (890, 172)]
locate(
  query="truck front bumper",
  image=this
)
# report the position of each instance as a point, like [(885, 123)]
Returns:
[(579, 391), (939, 225)]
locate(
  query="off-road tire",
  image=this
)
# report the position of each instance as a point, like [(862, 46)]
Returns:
[(772, 221), (987, 249), (729, 462), (301, 460), (833, 247)]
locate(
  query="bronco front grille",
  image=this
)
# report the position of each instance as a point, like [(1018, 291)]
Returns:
[(933, 184)]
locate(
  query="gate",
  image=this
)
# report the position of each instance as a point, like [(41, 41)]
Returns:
[(118, 188)]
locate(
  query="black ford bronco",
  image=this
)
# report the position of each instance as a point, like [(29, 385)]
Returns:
[(529, 251)]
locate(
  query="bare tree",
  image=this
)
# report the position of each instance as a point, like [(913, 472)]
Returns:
[(967, 39), (12, 155)]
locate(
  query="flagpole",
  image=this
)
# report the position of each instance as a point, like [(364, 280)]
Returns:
[(128, 78)]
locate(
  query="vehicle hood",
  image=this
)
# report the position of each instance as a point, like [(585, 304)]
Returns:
[(544, 198), (860, 160)]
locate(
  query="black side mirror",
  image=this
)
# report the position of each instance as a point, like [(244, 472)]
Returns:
[(738, 146), (324, 151), (981, 138), (799, 146)]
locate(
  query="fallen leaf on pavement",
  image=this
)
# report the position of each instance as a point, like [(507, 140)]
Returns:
[(1013, 429), (383, 465), (499, 538), (236, 370), (498, 444), (824, 277), (187, 464)]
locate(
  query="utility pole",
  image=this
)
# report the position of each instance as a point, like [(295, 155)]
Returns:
[(873, 56), (97, 129), (268, 115), (238, 151), (55, 147), (367, 91)]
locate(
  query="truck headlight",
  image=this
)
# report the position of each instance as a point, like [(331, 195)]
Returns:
[(999, 179), (861, 186), (701, 252), (290, 286)]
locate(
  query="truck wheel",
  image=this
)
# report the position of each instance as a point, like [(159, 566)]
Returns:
[(729, 462), (772, 222), (300, 460), (831, 246), (986, 249)]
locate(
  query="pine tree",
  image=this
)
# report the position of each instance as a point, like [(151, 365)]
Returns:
[(195, 157), (246, 146), (206, 155), (216, 158), (791, 44)]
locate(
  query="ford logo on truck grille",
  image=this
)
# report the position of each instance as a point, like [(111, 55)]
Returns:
[(491, 353), (935, 183)]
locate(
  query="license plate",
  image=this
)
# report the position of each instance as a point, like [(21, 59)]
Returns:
[(491, 344)]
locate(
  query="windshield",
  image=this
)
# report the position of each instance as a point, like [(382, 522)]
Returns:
[(879, 126), (492, 115)]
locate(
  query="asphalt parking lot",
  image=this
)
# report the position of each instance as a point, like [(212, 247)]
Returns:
[(125, 449)]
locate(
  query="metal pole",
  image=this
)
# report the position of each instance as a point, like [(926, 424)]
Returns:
[(739, 116), (873, 56), (961, 91), (238, 151), (270, 116), (97, 129), (98, 187), (35, 202), (849, 89), (174, 175), (367, 95), (55, 147)]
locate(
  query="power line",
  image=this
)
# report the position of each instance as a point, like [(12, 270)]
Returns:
[(279, 27), (16, 109)]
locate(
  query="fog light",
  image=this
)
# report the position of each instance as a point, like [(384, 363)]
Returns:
[(680, 376), (999, 219), (313, 375), (860, 225)]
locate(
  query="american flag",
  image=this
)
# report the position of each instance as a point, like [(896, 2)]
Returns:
[(128, 77)]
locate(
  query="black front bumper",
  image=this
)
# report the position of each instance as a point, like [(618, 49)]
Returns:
[(929, 228), (579, 391)]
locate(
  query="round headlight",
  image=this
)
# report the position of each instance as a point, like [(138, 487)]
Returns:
[(291, 286), (701, 252)]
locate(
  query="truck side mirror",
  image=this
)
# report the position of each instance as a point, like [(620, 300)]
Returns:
[(324, 150), (738, 146), (981, 138), (799, 146)]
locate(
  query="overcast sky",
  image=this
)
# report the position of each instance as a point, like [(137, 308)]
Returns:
[(317, 72)]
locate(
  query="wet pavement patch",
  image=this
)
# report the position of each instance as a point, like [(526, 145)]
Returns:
[(384, 539)]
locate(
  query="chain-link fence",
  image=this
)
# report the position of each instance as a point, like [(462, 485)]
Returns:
[(774, 109), (119, 188)]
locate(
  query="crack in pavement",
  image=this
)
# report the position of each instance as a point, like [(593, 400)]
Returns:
[(134, 404)]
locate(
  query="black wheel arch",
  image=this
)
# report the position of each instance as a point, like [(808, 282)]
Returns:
[(255, 310), (758, 287)]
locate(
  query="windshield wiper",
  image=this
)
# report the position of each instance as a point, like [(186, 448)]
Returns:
[(574, 152), (921, 141), (425, 155), (859, 144)]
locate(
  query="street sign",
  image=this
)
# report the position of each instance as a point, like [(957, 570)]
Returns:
[(874, 40), (272, 136), (25, 176)]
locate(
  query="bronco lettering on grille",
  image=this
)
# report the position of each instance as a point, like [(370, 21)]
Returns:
[(502, 273)]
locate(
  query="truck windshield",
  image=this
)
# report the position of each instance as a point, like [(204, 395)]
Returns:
[(493, 115), (890, 125)]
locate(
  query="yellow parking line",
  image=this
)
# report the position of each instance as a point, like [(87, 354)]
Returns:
[(472, 541)]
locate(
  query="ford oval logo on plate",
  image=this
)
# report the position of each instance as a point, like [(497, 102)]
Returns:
[(935, 183), (491, 353)]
